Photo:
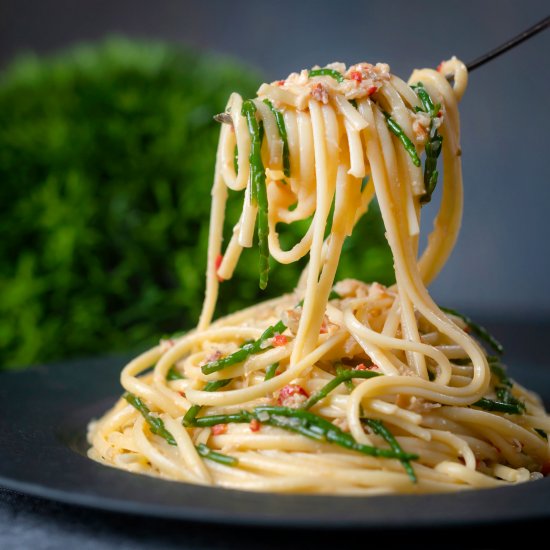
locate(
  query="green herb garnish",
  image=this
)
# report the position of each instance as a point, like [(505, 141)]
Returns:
[(380, 429), (505, 395), (403, 138), (340, 369), (499, 371), (258, 186), (341, 377), (156, 425), (279, 119), (304, 423), (476, 329), (498, 406), (242, 353), (207, 452), (433, 143), (214, 385), (236, 159), (270, 371), (327, 72), (174, 374), (506, 402)]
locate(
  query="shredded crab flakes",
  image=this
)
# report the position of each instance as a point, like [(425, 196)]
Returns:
[(213, 356), (291, 318), (359, 81), (319, 93), (421, 406), (292, 395), (421, 125)]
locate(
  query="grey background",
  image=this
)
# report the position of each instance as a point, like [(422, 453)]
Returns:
[(501, 266)]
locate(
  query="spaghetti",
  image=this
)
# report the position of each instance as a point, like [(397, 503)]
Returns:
[(346, 388)]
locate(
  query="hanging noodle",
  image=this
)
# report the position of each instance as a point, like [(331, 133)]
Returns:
[(346, 388)]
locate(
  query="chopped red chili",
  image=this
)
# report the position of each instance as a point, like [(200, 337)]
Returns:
[(362, 366), (219, 429), (357, 76), (292, 394), (280, 340), (255, 425), (219, 260)]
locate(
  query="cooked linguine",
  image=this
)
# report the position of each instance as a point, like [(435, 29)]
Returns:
[(346, 387)]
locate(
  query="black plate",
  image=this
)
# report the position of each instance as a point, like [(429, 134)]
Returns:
[(44, 412)]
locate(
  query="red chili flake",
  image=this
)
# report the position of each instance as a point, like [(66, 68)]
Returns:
[(219, 429), (439, 67), (219, 260), (255, 425), (280, 82), (371, 90), (182, 393), (324, 327), (292, 394), (357, 76), (362, 366), (280, 340), (440, 113), (545, 469)]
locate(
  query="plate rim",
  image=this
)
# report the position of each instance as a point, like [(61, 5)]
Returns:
[(132, 508)]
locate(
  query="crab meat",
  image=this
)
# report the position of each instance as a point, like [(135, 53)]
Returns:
[(319, 93), (291, 318), (292, 395)]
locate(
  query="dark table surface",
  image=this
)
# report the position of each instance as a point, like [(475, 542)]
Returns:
[(27, 522)]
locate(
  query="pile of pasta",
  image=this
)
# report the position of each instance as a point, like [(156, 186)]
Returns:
[(335, 388)]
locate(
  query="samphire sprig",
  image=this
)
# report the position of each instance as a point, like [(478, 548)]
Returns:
[(433, 143), (481, 332), (302, 422), (156, 425), (258, 186), (245, 351), (403, 138)]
